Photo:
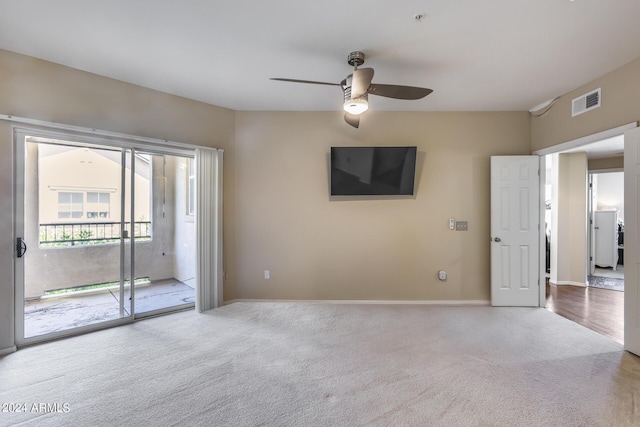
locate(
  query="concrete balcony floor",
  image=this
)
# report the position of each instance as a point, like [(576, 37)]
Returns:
[(71, 311)]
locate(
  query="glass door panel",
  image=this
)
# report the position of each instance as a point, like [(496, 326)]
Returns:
[(164, 233), (72, 224)]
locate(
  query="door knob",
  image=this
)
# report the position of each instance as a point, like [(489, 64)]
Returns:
[(497, 239)]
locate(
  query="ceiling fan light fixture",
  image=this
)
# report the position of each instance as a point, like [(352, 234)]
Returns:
[(356, 105), (357, 86)]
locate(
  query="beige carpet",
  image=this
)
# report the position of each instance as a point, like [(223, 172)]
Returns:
[(305, 364)]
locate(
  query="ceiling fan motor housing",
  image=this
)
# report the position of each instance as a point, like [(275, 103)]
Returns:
[(347, 95), (355, 59)]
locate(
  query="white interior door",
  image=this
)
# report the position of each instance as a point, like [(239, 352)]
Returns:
[(515, 188), (632, 241)]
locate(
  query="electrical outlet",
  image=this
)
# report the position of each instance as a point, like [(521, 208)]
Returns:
[(461, 226), (442, 275), (267, 274), (452, 224)]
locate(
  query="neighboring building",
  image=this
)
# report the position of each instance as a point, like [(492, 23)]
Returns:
[(83, 185)]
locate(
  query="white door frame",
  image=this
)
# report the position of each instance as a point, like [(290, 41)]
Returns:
[(591, 235), (617, 131), (632, 251), (542, 297)]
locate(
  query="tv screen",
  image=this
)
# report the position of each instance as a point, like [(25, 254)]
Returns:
[(375, 171)]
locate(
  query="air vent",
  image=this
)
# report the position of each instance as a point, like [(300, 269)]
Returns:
[(586, 102)]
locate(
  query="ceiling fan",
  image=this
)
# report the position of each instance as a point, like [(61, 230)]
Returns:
[(357, 87)]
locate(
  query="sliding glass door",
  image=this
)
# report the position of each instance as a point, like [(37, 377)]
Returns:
[(165, 235), (102, 235)]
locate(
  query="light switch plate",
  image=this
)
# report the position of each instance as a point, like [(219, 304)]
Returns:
[(461, 226)]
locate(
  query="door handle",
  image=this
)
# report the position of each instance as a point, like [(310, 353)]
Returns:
[(497, 239), (21, 247)]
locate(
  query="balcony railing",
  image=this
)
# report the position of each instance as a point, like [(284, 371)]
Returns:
[(91, 233)]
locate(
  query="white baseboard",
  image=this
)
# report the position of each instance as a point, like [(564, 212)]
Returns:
[(566, 282), (389, 302), (8, 350)]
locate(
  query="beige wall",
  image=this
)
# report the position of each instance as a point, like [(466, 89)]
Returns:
[(606, 163), (569, 259), (42, 90), (620, 106), (317, 248)]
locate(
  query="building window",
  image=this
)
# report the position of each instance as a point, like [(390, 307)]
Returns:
[(98, 205), (70, 205), (191, 187)]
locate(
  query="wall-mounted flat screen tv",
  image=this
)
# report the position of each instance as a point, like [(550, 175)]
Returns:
[(372, 171)]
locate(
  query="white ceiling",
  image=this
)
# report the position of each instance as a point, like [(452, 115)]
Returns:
[(475, 55)]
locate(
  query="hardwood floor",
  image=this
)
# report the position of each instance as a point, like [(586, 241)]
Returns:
[(601, 310)]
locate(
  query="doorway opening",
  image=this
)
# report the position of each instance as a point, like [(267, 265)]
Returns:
[(606, 228), (584, 231)]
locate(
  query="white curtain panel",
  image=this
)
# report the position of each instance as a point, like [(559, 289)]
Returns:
[(208, 228)]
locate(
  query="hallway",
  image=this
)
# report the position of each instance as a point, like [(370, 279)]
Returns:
[(601, 310)]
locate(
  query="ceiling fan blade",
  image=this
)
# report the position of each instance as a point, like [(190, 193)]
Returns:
[(361, 81), (304, 81), (399, 92), (352, 119)]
